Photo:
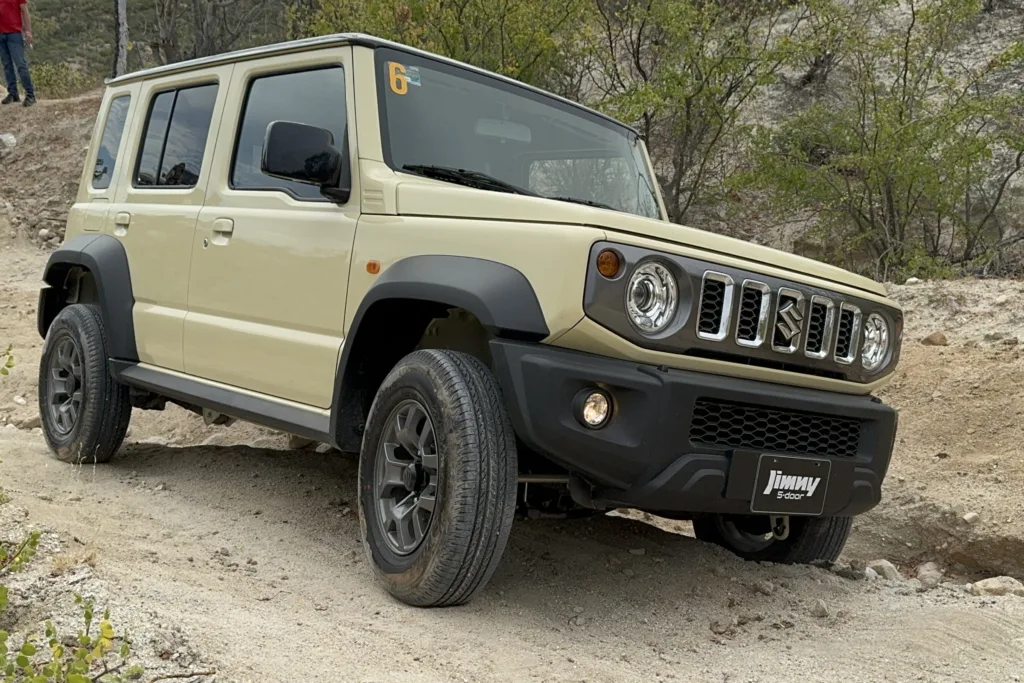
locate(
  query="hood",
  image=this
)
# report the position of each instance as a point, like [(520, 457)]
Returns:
[(425, 197)]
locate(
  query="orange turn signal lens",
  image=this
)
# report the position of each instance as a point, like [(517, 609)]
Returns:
[(373, 267), (608, 263)]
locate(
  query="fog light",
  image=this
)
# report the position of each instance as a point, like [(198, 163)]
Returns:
[(594, 409)]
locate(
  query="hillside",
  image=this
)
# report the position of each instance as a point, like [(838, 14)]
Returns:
[(80, 34)]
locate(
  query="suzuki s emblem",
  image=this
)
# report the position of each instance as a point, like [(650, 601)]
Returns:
[(789, 322)]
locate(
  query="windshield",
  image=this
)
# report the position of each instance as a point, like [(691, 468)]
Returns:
[(438, 119)]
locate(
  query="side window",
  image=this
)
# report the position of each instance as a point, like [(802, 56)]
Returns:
[(110, 142), (315, 98), (175, 137)]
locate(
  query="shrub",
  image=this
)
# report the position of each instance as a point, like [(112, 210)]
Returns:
[(56, 81)]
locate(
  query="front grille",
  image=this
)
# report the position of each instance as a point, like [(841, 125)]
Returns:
[(779, 340), (722, 423)]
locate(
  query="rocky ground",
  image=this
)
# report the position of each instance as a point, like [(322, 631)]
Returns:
[(222, 549)]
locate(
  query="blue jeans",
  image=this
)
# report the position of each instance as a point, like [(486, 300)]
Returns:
[(12, 54)]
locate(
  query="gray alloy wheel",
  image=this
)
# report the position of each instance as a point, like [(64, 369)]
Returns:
[(406, 477)]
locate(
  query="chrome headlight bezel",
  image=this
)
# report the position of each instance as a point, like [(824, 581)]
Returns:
[(876, 343), (652, 297)]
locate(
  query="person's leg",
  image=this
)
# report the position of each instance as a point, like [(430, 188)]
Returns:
[(8, 63), (16, 46)]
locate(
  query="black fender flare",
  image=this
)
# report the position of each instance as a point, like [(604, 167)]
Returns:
[(501, 298), (105, 259)]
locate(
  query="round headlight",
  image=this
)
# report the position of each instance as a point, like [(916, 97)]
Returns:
[(651, 297), (876, 342)]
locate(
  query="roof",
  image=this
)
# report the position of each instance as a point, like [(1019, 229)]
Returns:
[(324, 42)]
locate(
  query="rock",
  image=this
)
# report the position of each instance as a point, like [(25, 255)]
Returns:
[(848, 572), (628, 573), (30, 422), (38, 431), (7, 142), (324, 448), (820, 610), (1002, 300), (942, 455), (971, 518), (20, 400), (913, 281), (765, 587), (1011, 341), (871, 574), (9, 427), (577, 610), (935, 339), (886, 569), (154, 441), (637, 551), (718, 571), (999, 585), (44, 234), (296, 442), (160, 487), (994, 336), (723, 626), (929, 575)]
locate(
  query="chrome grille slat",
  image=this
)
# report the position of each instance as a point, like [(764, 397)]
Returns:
[(847, 334), (820, 327), (715, 313), (755, 307)]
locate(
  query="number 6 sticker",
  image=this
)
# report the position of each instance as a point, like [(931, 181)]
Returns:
[(399, 82)]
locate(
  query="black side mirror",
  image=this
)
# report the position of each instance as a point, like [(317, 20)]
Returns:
[(305, 154)]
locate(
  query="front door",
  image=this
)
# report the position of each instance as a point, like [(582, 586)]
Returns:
[(270, 264)]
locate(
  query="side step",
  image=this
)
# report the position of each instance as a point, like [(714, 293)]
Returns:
[(244, 406)]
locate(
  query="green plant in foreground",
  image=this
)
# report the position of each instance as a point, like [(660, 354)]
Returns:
[(6, 360)]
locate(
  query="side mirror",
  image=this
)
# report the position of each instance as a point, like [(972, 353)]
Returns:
[(305, 154)]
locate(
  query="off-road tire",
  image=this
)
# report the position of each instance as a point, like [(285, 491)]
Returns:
[(105, 410), (476, 479), (811, 539)]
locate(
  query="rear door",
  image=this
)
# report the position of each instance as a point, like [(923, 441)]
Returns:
[(156, 206), (266, 301)]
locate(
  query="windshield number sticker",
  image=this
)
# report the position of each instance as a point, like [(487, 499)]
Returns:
[(398, 79)]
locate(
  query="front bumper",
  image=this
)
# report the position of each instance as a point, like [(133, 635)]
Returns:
[(654, 455)]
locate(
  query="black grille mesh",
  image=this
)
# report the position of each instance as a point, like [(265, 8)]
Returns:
[(750, 312), (720, 423), (712, 302), (844, 336), (816, 328)]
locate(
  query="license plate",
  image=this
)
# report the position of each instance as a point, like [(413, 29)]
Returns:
[(790, 486)]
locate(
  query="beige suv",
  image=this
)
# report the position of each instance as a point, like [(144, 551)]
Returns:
[(471, 283)]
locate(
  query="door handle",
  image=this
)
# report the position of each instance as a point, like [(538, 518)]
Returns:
[(224, 226), (121, 222), (222, 229)]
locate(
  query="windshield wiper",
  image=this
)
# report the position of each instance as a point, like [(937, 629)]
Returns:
[(466, 177), (588, 202)]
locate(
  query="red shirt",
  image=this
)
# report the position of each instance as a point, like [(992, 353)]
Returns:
[(10, 15)]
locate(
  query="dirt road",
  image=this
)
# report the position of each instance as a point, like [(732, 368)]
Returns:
[(252, 551)]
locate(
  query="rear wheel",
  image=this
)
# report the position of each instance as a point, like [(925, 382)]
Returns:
[(810, 539), (84, 413), (437, 478)]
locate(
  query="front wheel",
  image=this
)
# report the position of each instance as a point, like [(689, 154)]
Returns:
[(810, 539), (437, 479)]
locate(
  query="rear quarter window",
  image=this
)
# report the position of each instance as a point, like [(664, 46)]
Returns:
[(110, 142)]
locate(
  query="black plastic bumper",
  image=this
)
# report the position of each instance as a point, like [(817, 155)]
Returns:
[(645, 457)]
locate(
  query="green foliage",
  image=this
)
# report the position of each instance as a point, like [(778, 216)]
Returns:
[(907, 159), (56, 81), (530, 40), (96, 655), (6, 360)]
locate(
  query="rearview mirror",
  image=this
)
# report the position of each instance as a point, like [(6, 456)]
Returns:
[(305, 154)]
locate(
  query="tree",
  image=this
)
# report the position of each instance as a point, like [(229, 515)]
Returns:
[(683, 70), (533, 41), (907, 160), (186, 29), (120, 37)]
